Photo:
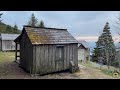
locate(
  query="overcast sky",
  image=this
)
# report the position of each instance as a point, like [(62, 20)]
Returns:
[(83, 25)]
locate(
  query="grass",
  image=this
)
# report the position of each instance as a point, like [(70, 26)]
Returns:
[(89, 64), (107, 71), (110, 72), (103, 69), (7, 56)]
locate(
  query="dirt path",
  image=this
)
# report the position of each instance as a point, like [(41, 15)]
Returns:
[(92, 73), (11, 70)]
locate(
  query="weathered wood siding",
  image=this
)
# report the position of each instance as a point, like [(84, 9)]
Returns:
[(83, 54), (26, 53), (7, 45), (44, 58)]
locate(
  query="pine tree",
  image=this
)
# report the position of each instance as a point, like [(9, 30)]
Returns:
[(8, 29), (15, 29), (33, 20), (41, 24), (106, 47), (95, 54)]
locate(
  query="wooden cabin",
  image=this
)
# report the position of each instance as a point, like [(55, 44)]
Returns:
[(7, 42), (118, 52), (47, 50), (83, 51)]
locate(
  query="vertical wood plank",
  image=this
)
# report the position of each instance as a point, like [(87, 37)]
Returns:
[(30, 48), (56, 57), (46, 59), (68, 55), (73, 47), (15, 51), (37, 58), (39, 63), (26, 58), (65, 57), (56, 66), (53, 56), (42, 58), (76, 54), (49, 57), (34, 59)]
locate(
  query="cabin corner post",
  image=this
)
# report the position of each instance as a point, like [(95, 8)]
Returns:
[(15, 51)]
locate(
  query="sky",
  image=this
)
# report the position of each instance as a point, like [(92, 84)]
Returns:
[(83, 25)]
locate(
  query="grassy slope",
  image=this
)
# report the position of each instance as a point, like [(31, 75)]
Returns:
[(5, 59), (4, 28), (103, 68), (7, 56)]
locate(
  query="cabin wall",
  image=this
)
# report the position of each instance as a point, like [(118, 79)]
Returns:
[(26, 53), (83, 54), (44, 58), (7, 45)]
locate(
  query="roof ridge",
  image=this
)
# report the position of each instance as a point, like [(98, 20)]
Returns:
[(9, 33), (43, 27)]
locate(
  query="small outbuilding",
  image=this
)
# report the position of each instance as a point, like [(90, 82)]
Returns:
[(118, 52), (83, 51), (7, 42), (47, 50)]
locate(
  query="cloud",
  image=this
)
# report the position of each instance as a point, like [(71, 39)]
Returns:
[(88, 38), (81, 24), (95, 38)]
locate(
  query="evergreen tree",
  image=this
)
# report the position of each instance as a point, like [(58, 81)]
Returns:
[(8, 29), (95, 54), (33, 20), (105, 46), (15, 29), (4, 28), (41, 24)]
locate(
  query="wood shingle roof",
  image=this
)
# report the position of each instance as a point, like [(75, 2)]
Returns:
[(39, 35)]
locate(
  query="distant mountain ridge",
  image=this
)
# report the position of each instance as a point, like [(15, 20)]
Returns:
[(4, 28)]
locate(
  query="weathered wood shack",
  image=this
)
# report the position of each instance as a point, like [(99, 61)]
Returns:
[(47, 50), (83, 51), (7, 41), (118, 52)]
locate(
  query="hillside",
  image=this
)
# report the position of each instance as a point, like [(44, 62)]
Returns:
[(8, 29)]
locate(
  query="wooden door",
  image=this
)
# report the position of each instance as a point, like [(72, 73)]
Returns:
[(59, 61)]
